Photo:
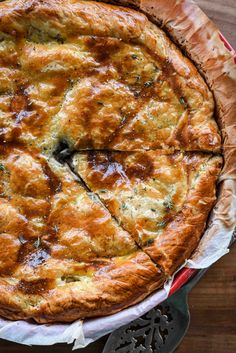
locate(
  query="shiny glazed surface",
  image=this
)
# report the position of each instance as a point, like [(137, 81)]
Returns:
[(88, 233)]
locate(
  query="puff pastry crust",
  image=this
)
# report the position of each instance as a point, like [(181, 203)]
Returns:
[(162, 200), (109, 157)]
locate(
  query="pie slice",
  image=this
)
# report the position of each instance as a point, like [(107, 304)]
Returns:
[(60, 246), (143, 103), (163, 201), (106, 79)]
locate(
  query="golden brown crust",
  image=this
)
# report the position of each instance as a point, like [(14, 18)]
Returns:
[(62, 78), (158, 98), (116, 284), (63, 256), (182, 236), (162, 200), (200, 39)]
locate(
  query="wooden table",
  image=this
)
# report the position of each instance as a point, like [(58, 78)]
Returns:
[(223, 13), (212, 306), (213, 300)]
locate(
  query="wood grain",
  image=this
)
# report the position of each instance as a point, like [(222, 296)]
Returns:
[(213, 301), (212, 306), (223, 13)]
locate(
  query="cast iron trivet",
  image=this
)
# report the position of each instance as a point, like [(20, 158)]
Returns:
[(160, 330)]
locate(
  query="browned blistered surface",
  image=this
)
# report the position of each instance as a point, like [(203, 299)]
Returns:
[(212, 327), (89, 234)]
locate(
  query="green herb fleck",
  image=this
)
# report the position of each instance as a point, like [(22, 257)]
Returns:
[(149, 242), (134, 56), (59, 39), (182, 101), (55, 228), (168, 205), (22, 239), (100, 103), (124, 206), (162, 224), (148, 83), (197, 175), (103, 191), (2, 167), (153, 210), (37, 243), (69, 279), (136, 93)]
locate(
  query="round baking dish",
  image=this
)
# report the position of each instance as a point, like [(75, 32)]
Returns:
[(202, 43)]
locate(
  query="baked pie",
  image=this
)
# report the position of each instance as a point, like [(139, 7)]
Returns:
[(109, 155)]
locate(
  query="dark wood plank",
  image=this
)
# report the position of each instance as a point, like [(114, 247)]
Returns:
[(213, 301), (223, 13), (213, 310)]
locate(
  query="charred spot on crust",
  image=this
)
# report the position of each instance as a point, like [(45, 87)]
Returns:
[(62, 152), (19, 103), (33, 253), (38, 257), (34, 287), (25, 249), (103, 47), (53, 180)]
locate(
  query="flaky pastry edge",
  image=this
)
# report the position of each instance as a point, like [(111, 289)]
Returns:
[(199, 37)]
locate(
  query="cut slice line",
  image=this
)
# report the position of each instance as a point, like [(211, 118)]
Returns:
[(119, 224), (163, 204)]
